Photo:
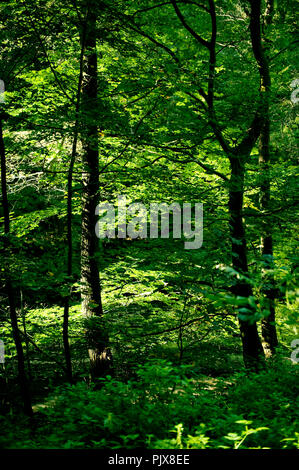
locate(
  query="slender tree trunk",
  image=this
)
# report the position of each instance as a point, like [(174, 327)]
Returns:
[(90, 280), (270, 341), (251, 344), (252, 348), (22, 378), (269, 333), (65, 332), (65, 327), (23, 315)]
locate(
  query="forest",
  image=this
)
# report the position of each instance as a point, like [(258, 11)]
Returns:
[(149, 224)]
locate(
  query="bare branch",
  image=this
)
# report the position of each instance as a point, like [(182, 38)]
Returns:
[(154, 41), (186, 2), (202, 41)]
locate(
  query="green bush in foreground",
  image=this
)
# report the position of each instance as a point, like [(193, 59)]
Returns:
[(168, 407)]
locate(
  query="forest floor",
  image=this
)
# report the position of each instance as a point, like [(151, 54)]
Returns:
[(205, 399)]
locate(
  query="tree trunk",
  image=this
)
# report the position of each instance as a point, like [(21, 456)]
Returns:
[(65, 331), (252, 348), (90, 280), (23, 316), (22, 378), (269, 334), (270, 341)]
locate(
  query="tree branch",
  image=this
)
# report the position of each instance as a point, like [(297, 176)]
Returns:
[(202, 41), (186, 2)]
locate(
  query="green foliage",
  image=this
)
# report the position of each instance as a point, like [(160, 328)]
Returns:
[(170, 314), (255, 411)]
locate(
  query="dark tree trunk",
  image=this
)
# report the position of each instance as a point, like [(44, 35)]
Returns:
[(23, 316), (22, 378), (252, 348), (65, 332), (90, 280), (270, 341), (269, 333)]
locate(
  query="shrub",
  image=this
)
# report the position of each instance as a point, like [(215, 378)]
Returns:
[(169, 407)]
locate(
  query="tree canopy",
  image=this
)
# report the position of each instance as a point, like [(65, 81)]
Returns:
[(159, 102)]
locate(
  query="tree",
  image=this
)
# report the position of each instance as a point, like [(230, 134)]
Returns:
[(270, 341), (90, 278), (238, 157), (23, 381)]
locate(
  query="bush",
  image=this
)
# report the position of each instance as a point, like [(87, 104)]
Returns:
[(169, 407)]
